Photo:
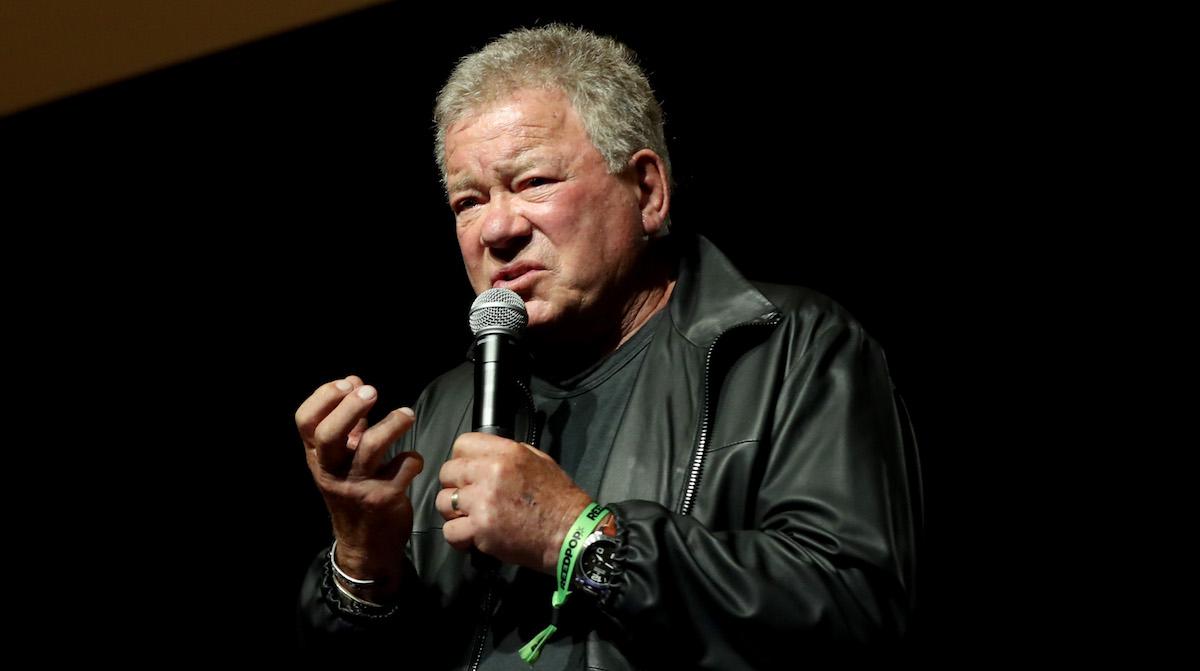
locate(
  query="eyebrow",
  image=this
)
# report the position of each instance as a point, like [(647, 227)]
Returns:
[(518, 162)]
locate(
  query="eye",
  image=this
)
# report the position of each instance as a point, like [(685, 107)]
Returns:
[(464, 204), (533, 182)]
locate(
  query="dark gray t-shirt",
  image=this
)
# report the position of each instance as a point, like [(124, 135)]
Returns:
[(577, 422), (578, 417)]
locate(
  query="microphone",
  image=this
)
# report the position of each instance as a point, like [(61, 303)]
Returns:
[(497, 319)]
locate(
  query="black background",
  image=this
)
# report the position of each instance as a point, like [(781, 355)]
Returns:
[(227, 234)]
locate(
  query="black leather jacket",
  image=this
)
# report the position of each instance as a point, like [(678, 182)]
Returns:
[(763, 477)]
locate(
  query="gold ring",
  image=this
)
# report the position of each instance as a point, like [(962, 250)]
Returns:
[(454, 500)]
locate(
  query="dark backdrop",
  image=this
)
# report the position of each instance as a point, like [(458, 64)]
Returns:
[(239, 229)]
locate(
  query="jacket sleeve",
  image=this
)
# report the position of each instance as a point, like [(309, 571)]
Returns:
[(824, 560), (325, 629)]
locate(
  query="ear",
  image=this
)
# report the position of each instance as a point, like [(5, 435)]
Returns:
[(654, 190)]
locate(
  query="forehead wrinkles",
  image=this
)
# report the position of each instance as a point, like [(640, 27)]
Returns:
[(527, 114), (513, 139)]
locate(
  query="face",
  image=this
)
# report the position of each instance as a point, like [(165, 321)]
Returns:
[(538, 213)]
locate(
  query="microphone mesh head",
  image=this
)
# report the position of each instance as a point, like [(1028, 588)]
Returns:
[(498, 308)]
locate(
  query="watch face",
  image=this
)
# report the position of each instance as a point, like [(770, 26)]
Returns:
[(597, 565)]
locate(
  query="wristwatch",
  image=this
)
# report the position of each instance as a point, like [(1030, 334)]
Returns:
[(597, 568)]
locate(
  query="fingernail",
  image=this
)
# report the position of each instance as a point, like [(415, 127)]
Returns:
[(343, 385), (408, 411), (366, 392)]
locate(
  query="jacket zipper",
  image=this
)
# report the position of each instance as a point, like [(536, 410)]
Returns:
[(489, 596), (693, 481), (484, 616), (531, 435)]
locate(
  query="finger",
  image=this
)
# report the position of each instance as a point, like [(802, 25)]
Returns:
[(457, 473), (318, 406), (473, 444), (444, 502), (356, 433), (459, 533), (373, 447), (331, 435)]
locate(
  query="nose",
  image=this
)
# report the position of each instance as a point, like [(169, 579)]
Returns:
[(505, 228)]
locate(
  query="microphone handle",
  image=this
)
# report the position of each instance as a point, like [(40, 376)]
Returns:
[(497, 363)]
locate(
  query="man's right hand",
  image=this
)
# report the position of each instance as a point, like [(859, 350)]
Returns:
[(366, 497)]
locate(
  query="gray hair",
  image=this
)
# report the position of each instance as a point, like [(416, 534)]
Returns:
[(599, 75)]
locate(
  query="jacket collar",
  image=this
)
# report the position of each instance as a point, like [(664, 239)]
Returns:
[(711, 296)]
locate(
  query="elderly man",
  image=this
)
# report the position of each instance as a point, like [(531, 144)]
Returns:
[(722, 478)]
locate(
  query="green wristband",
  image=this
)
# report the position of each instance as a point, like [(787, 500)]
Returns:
[(584, 525)]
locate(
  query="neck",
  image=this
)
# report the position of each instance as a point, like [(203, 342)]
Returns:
[(642, 308)]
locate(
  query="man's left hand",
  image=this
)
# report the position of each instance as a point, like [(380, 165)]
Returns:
[(514, 502)]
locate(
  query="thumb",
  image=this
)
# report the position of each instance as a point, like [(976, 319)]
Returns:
[(540, 454), (408, 465), (356, 433)]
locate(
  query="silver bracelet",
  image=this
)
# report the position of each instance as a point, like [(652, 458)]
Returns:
[(346, 604), (355, 599), (342, 574)]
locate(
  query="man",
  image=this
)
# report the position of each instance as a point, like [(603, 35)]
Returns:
[(744, 440)]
